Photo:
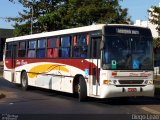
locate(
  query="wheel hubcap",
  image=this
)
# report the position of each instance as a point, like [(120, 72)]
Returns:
[(24, 81), (79, 88)]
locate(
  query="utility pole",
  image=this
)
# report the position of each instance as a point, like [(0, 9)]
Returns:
[(32, 12), (32, 19)]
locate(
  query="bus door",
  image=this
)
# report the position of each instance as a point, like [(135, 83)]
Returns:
[(14, 55), (95, 66)]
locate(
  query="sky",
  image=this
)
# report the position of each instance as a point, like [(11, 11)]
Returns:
[(137, 10)]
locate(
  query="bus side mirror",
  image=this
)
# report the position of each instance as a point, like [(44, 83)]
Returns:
[(102, 45)]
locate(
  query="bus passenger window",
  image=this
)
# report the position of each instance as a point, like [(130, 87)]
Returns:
[(32, 49), (41, 53), (95, 48), (41, 48), (52, 47), (42, 43), (31, 53), (49, 53), (32, 44), (76, 52), (80, 49), (65, 47), (65, 52), (22, 49), (21, 53), (52, 42), (8, 50), (84, 51), (52, 53)]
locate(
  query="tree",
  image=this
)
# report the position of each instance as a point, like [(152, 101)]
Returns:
[(155, 19), (49, 15), (87, 12), (155, 16), (33, 10)]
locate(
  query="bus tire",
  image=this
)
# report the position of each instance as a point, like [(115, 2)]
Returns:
[(82, 89), (24, 81)]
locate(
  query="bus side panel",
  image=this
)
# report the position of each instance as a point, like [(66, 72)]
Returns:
[(8, 71), (49, 75), (47, 81), (66, 85), (44, 75), (18, 77), (7, 74)]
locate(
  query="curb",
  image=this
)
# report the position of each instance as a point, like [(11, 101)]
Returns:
[(2, 95)]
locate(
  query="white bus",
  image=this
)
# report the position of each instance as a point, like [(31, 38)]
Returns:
[(101, 61)]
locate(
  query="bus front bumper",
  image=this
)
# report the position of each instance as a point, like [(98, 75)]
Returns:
[(110, 91)]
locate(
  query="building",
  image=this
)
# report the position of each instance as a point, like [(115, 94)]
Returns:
[(149, 25), (4, 33)]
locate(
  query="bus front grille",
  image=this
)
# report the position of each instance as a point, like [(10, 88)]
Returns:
[(131, 81)]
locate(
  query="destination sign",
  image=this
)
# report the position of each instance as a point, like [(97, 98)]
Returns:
[(127, 31)]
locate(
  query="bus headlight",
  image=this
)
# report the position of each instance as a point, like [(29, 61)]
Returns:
[(114, 81), (148, 82)]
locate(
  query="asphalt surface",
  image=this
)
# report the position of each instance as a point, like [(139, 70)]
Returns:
[(55, 104)]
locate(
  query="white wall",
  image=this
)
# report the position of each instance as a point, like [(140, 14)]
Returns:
[(149, 25)]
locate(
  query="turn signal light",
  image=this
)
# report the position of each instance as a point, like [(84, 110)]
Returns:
[(106, 82)]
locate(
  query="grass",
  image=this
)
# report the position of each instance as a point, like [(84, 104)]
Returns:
[(1, 74)]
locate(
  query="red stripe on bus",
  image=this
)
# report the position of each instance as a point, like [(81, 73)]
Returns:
[(78, 63)]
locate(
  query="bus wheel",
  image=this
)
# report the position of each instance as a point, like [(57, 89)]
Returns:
[(24, 81), (82, 89)]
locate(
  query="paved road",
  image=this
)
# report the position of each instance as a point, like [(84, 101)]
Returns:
[(40, 101)]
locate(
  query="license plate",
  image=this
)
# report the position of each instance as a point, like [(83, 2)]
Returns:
[(132, 89)]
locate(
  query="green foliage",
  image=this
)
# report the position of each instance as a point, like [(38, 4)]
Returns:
[(155, 19), (50, 22), (23, 29), (49, 15), (155, 16), (87, 12), (156, 42)]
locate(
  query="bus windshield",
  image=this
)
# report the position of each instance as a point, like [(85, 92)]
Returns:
[(127, 52)]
